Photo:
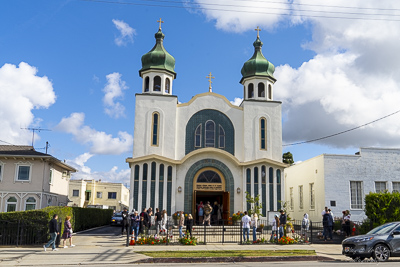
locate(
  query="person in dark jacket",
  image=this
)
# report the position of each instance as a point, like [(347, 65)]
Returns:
[(53, 231), (282, 223), (327, 222), (145, 221), (135, 223), (125, 221), (189, 224)]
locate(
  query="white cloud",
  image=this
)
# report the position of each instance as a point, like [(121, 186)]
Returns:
[(99, 142), (85, 172), (237, 101), (239, 16), (126, 32), (22, 91), (114, 90)]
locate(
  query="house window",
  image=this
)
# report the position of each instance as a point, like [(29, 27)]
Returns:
[(396, 186), (221, 137), (291, 203), (312, 196), (11, 204), (146, 84), (99, 194), (23, 172), (30, 203), (278, 189), (380, 187), (112, 195), (301, 205), (51, 176), (261, 90), (75, 193), (263, 133), (167, 85), (197, 136), (1, 171), (250, 91), (155, 129), (269, 91), (356, 194), (157, 84), (210, 134)]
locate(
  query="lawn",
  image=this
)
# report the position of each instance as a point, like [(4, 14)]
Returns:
[(227, 253)]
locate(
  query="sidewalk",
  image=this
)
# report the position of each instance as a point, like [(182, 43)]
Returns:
[(110, 249)]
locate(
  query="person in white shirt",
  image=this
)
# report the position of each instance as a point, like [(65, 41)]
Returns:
[(246, 226)]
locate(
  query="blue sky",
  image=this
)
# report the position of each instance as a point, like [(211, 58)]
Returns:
[(72, 67)]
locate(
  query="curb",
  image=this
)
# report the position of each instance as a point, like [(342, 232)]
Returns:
[(234, 259)]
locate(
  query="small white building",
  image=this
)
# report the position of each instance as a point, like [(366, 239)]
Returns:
[(340, 182), (31, 180), (206, 149)]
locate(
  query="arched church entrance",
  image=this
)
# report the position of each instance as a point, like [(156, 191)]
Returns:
[(209, 185)]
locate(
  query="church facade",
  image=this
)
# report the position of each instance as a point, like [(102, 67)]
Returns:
[(206, 149)]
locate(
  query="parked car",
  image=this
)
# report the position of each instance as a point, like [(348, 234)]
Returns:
[(380, 243), (116, 219)]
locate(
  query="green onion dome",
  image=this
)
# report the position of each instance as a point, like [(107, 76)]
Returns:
[(158, 58), (258, 65)]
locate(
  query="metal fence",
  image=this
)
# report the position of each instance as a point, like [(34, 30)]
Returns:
[(232, 232), (19, 233)]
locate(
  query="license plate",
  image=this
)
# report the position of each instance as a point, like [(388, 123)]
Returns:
[(346, 249)]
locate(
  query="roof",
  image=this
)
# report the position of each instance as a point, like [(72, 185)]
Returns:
[(29, 151)]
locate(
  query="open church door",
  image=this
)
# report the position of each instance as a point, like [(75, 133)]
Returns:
[(226, 206), (194, 210)]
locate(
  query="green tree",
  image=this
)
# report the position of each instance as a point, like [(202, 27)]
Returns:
[(287, 158), (382, 207), (255, 204)]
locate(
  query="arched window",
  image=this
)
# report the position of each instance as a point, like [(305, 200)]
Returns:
[(261, 90), (221, 137), (155, 129), (271, 189), (144, 185), (161, 187), (255, 181), (157, 84), (153, 184), (264, 189), (167, 85), (250, 91), (269, 91), (11, 204), (136, 188), (248, 185), (30, 203), (146, 84), (197, 136), (210, 134), (263, 133), (209, 177), (169, 190)]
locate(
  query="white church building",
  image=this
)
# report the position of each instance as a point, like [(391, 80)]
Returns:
[(206, 149)]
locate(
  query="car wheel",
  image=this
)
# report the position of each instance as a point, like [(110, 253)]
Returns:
[(381, 252)]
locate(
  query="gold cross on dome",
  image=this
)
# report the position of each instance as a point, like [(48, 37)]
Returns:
[(209, 77), (160, 21), (258, 32)]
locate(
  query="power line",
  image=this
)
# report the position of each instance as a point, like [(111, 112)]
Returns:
[(349, 130), (6, 142), (244, 11)]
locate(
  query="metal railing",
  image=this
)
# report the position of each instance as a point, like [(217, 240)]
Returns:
[(19, 233)]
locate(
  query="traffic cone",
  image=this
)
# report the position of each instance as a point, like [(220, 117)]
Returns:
[(353, 231), (132, 243)]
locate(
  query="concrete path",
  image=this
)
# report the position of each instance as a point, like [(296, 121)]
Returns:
[(105, 246)]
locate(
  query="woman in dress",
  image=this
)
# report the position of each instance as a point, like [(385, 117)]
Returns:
[(67, 232), (275, 225), (164, 219)]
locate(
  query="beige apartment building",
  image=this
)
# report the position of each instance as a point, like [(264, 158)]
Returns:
[(31, 180), (83, 193)]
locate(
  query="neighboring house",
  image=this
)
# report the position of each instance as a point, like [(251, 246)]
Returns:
[(90, 192), (206, 149), (31, 180), (340, 182)]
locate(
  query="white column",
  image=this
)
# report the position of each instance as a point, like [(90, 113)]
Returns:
[(174, 189)]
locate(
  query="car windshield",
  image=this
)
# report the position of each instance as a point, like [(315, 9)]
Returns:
[(383, 229), (117, 215)]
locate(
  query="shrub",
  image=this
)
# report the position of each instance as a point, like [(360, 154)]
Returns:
[(382, 207)]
